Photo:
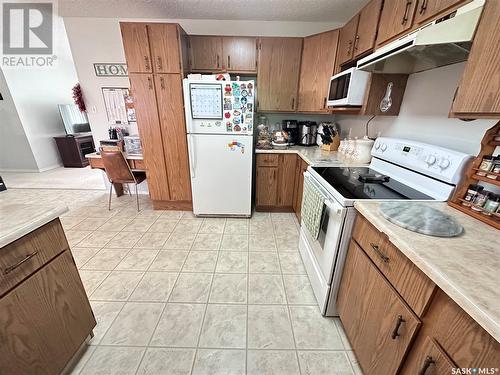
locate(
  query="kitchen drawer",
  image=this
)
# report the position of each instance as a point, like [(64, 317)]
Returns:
[(411, 283), (139, 164), (23, 257), (267, 160), (427, 358), (96, 163)]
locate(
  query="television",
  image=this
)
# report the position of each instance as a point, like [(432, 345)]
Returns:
[(73, 119)]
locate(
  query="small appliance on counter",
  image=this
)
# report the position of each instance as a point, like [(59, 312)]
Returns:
[(307, 133), (281, 139), (292, 128)]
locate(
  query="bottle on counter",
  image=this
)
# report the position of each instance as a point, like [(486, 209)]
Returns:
[(486, 165), (481, 199), (471, 194), (491, 205)]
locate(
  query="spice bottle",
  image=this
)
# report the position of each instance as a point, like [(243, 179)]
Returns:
[(495, 169), (491, 204), (486, 165), (480, 200), (471, 194)]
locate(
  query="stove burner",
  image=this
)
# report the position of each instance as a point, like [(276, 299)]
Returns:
[(373, 178)]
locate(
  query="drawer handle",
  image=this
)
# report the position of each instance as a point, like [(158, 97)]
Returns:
[(425, 366), (395, 332), (405, 16), (13, 267), (382, 256)]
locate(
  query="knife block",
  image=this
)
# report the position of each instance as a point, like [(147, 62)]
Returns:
[(334, 146)]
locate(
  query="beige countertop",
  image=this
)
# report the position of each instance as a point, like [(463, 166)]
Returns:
[(466, 268), (314, 156), (17, 220), (95, 155)]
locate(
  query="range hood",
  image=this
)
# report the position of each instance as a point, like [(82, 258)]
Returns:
[(441, 42)]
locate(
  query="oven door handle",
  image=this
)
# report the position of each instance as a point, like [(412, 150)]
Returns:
[(335, 208)]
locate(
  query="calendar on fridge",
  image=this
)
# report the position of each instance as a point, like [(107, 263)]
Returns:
[(206, 100)]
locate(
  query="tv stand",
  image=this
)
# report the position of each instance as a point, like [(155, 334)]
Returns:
[(73, 149)]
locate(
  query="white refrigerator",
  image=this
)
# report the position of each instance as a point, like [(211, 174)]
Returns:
[(219, 121)]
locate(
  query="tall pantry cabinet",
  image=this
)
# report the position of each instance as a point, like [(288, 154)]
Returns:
[(156, 55)]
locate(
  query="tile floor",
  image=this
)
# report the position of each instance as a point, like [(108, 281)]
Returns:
[(176, 294)]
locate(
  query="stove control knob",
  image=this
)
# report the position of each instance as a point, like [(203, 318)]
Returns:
[(383, 147), (377, 145), (444, 163), (430, 160)]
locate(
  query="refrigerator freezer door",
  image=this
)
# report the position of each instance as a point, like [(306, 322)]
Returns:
[(221, 174)]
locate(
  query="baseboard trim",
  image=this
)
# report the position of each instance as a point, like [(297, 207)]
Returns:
[(173, 205), (273, 209)]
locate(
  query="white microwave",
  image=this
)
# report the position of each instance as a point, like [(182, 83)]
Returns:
[(348, 88)]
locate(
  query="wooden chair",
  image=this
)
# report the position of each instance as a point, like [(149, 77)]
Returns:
[(119, 172)]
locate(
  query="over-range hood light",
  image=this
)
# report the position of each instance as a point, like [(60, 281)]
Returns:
[(442, 42)]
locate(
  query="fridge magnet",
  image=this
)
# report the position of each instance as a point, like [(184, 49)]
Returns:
[(227, 106), (235, 85), (243, 86), (218, 123), (236, 112), (243, 100), (234, 145), (244, 109), (250, 107), (237, 106), (250, 85), (237, 100), (237, 128), (236, 120), (244, 93), (244, 128), (236, 92), (229, 126), (227, 114), (227, 90)]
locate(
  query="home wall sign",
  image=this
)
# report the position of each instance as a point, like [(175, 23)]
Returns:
[(111, 70)]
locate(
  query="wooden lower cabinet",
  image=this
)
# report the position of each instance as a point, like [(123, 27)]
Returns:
[(44, 320), (299, 187), (266, 187), (428, 358), (378, 323)]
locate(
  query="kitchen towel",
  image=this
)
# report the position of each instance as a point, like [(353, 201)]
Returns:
[(313, 204)]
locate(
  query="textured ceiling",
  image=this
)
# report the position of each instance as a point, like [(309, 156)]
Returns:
[(265, 10)]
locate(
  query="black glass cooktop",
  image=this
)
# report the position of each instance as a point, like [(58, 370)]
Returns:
[(365, 183)]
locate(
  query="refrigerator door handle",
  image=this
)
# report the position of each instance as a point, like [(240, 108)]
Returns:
[(192, 166)]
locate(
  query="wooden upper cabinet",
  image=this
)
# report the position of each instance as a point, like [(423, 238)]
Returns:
[(205, 53), (346, 40), (278, 73), (173, 128), (165, 48), (478, 95), (318, 63), (369, 17), (136, 46), (143, 91), (379, 324), (429, 9), (239, 54), (396, 18)]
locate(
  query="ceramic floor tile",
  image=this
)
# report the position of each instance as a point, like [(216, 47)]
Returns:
[(163, 225), (115, 224), (124, 240), (312, 330), (158, 361), (97, 239), (261, 227), (90, 223), (354, 363), (105, 313), (188, 226), (219, 362), (83, 254), (169, 261), (69, 222), (291, 263), (74, 237), (224, 327), (105, 259), (92, 279), (200, 261), (180, 241), (265, 289), (152, 240), (287, 243), (212, 225), (188, 215), (118, 286), (285, 228), (171, 214), (261, 242), (343, 336), (108, 360), (137, 260), (263, 262), (179, 326), (154, 286), (232, 262), (260, 216), (205, 241), (282, 216), (299, 290), (134, 325), (235, 242), (273, 362), (140, 224), (82, 361), (236, 226), (229, 288), (269, 327), (325, 363), (191, 287), (149, 213)]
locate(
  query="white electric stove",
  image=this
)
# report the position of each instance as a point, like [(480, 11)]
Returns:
[(400, 170)]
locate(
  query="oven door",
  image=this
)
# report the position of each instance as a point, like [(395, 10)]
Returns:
[(325, 248)]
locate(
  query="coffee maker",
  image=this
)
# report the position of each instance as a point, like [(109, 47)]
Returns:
[(308, 131), (292, 128)]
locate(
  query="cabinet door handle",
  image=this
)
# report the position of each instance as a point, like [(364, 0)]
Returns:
[(395, 331), (158, 61), (228, 61), (162, 83), (428, 361), (14, 266), (379, 252), (349, 46), (218, 63), (150, 83), (356, 42), (293, 103), (146, 62), (324, 102), (405, 15), (423, 7)]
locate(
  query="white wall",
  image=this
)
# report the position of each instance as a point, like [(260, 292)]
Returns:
[(424, 114), (36, 93), (15, 151)]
